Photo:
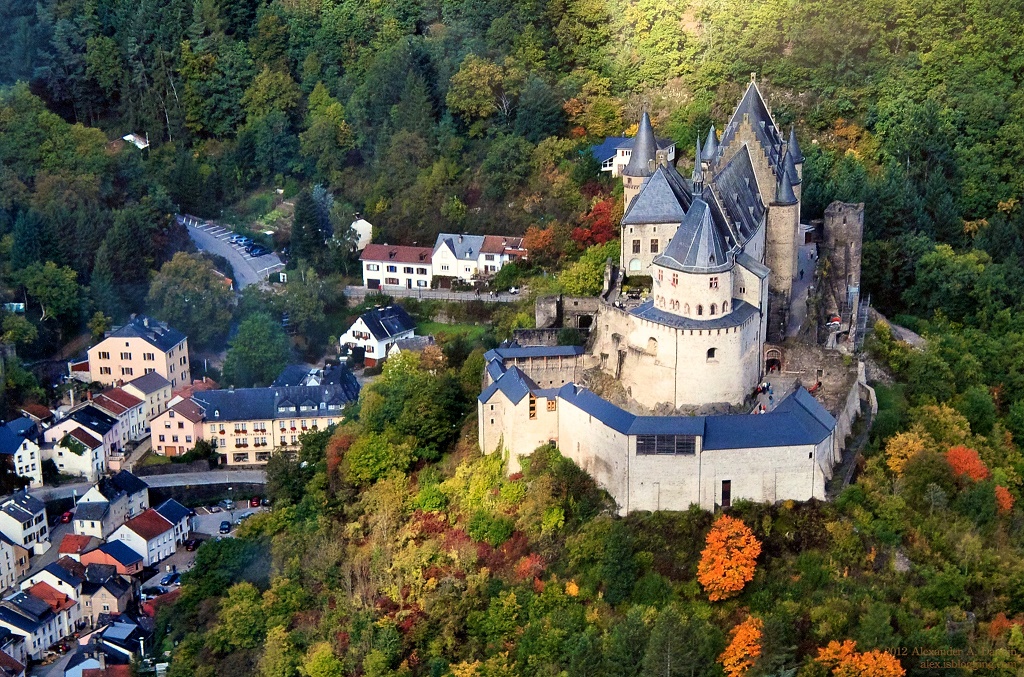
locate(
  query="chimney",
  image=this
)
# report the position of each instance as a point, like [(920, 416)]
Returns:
[(88, 395), (460, 239), (102, 659)]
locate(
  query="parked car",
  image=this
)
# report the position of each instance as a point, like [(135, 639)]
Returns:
[(257, 250), (225, 527), (193, 543), (244, 241), (227, 504), (153, 591), (244, 516), (513, 290), (254, 502), (265, 502), (170, 579), (214, 508), (67, 516)]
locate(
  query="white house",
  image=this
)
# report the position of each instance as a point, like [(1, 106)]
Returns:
[(18, 441), (179, 516), (153, 389), (128, 409), (149, 534), (97, 423), (390, 266), (376, 330), (57, 577), (470, 257), (30, 618), (615, 152), (109, 504), (363, 232), (78, 453), (8, 566), (23, 520)]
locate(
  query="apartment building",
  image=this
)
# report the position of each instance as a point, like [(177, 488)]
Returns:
[(153, 389), (19, 443), (23, 520), (142, 346), (392, 266)]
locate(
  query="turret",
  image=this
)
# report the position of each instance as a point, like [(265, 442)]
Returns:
[(643, 159), (710, 147), (698, 171), (789, 169), (794, 149)]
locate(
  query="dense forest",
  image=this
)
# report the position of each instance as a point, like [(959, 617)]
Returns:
[(395, 547)]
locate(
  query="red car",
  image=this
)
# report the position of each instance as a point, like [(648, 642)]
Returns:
[(66, 517), (254, 502)]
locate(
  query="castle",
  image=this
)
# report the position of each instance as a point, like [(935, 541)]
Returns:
[(720, 254)]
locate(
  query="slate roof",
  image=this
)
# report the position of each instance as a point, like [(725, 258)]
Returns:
[(335, 375), (149, 524), (415, 344), (533, 351), (513, 383), (396, 254), (698, 245), (785, 195), (495, 369), (608, 148), (25, 612), (120, 553), (150, 383), (789, 166), (752, 104), (248, 404), (465, 247), (387, 322), (793, 147), (642, 160), (85, 438), (735, 195), (10, 441), (710, 146), (128, 482), (62, 574), (172, 511), (91, 511), (753, 265), (660, 200), (740, 313), (93, 418), (22, 506), (154, 332)]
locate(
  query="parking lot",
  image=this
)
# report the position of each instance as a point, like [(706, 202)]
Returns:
[(215, 239), (208, 523)]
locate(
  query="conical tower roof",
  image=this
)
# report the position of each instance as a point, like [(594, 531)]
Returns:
[(785, 195), (698, 245), (794, 147), (789, 167), (643, 158), (698, 173), (710, 146)]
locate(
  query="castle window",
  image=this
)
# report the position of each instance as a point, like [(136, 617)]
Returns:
[(686, 309), (675, 279), (552, 404), (714, 280), (666, 444), (700, 309), (714, 309), (661, 275), (533, 407), (725, 307), (743, 290), (636, 246), (654, 246), (711, 354)]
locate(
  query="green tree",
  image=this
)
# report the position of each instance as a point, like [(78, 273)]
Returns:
[(271, 90), (16, 329), (618, 567), (279, 657), (240, 624), (626, 644), (55, 289), (257, 353), (189, 294), (682, 646), (320, 661), (99, 324), (373, 456), (586, 276)]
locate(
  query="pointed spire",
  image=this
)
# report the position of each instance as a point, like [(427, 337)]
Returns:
[(644, 156), (710, 146), (789, 167), (794, 147), (785, 195), (698, 173)]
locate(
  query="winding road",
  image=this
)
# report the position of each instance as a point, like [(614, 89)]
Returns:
[(210, 237)]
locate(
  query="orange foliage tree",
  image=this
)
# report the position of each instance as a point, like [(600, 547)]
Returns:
[(743, 649), (845, 661), (1004, 500), (965, 462), (729, 558)]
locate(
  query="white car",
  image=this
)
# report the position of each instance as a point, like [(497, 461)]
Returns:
[(513, 290)]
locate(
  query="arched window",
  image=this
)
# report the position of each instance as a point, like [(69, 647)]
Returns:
[(686, 308), (714, 309), (711, 354), (700, 310), (725, 307), (652, 346)]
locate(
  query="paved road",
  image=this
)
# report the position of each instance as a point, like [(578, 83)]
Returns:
[(213, 238), (172, 480), (798, 307), (359, 293)]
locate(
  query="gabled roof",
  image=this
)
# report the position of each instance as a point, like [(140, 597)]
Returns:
[(514, 384), (85, 438), (154, 332), (120, 553), (415, 344), (109, 671), (125, 399), (386, 322), (91, 511), (57, 600), (128, 483), (73, 566), (659, 201), (464, 247), (753, 106), (150, 383), (172, 511), (37, 411), (333, 375), (735, 195), (753, 265), (396, 254), (697, 246), (149, 525), (9, 667), (93, 418), (10, 442), (74, 544), (608, 148), (247, 404), (23, 506), (188, 410), (500, 244), (61, 573), (643, 159)]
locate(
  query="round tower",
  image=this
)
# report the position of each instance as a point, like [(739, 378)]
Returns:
[(643, 160)]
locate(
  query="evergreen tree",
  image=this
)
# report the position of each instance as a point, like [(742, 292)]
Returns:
[(102, 288), (626, 644), (27, 247), (414, 112), (618, 567), (540, 112), (682, 646), (306, 242)]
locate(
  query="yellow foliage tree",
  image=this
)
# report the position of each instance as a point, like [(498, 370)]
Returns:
[(901, 448), (743, 649)]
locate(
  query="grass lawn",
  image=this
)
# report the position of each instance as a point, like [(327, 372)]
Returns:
[(154, 459), (473, 332)]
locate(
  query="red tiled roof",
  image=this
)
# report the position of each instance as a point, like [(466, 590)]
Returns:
[(149, 524), (80, 366), (152, 606), (37, 411), (498, 244), (57, 600), (85, 438), (73, 543), (7, 661), (113, 406), (109, 671), (383, 252), (122, 397), (197, 386)]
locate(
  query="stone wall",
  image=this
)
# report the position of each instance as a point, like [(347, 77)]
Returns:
[(842, 246), (565, 311)]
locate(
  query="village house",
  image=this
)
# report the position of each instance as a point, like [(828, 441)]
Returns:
[(20, 555), (66, 609), (153, 389), (149, 534), (614, 153), (392, 266), (33, 620), (109, 504), (472, 257), (104, 591), (178, 515), (23, 520), (376, 330), (19, 443), (9, 665), (141, 346), (73, 546), (128, 409), (126, 561), (63, 577), (9, 574), (77, 453), (176, 429), (96, 423)]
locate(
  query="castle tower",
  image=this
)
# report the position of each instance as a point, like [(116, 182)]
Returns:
[(781, 255), (643, 160), (710, 148), (788, 167)]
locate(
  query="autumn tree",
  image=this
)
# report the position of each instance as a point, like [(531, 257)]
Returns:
[(1004, 500), (901, 448), (599, 225), (744, 647), (845, 661), (965, 462), (728, 560)]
